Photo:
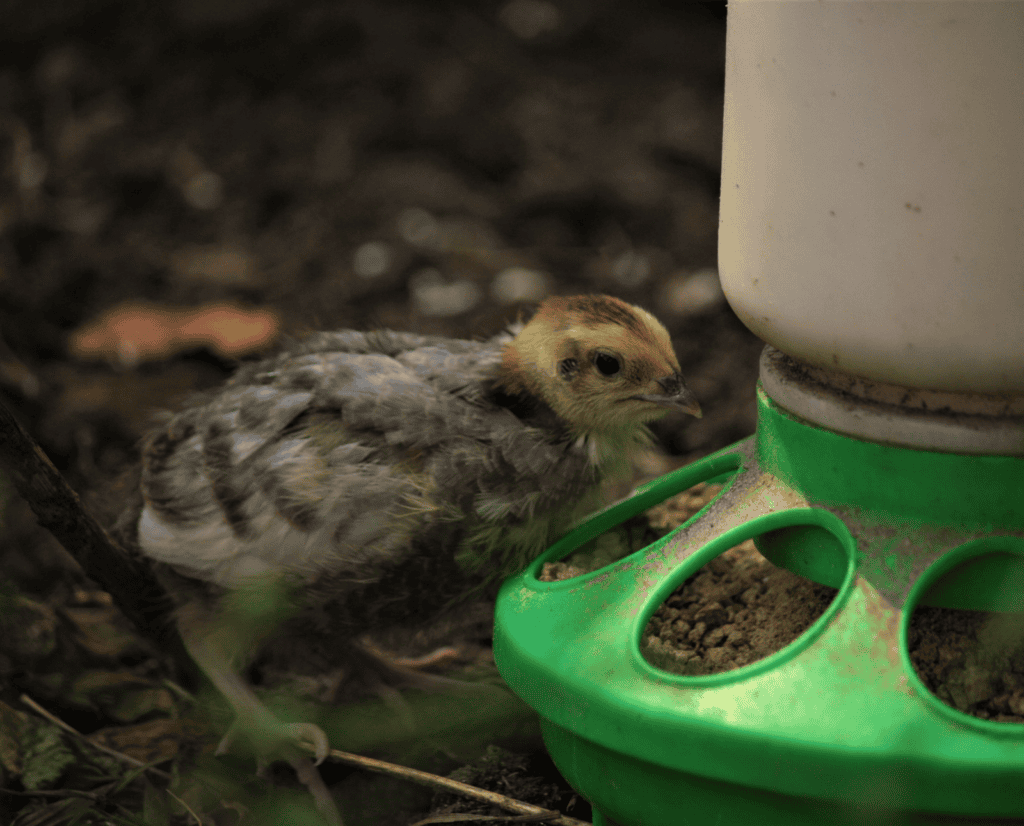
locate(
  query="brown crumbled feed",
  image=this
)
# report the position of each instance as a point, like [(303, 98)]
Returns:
[(737, 609), (675, 510), (631, 535), (971, 660)]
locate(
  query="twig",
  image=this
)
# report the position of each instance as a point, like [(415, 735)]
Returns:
[(58, 509), (543, 817), (178, 691), (185, 806), (509, 804), (124, 758)]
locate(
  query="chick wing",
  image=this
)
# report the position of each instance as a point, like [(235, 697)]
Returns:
[(345, 455)]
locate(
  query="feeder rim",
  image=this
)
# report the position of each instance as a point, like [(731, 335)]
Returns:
[(939, 420)]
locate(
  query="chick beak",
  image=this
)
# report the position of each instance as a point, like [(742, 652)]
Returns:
[(677, 396)]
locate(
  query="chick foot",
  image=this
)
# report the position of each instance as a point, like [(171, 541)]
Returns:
[(271, 738), (274, 739)]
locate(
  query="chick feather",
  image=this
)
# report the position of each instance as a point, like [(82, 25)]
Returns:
[(388, 475)]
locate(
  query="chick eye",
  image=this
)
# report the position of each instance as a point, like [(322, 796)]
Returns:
[(607, 365)]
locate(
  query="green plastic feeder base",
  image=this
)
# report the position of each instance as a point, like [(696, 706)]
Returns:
[(836, 727)]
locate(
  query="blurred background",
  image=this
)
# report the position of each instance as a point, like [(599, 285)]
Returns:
[(184, 183), (276, 167)]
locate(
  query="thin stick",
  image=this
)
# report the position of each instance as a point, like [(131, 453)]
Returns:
[(544, 817), (59, 510), (509, 804), (124, 758), (185, 806)]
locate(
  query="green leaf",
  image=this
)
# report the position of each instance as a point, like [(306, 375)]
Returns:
[(45, 756)]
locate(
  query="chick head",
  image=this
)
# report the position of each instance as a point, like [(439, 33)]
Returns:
[(602, 365)]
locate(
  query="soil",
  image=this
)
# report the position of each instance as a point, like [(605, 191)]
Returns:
[(532, 779)]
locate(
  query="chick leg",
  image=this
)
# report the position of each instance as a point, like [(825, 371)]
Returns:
[(376, 672), (270, 735)]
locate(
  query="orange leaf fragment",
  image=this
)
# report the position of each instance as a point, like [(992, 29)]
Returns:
[(229, 329), (134, 332)]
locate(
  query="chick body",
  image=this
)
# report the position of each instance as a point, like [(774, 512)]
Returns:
[(388, 475)]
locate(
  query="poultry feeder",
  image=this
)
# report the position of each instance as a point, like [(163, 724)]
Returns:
[(872, 232)]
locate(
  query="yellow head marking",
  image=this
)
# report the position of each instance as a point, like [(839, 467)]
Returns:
[(589, 357)]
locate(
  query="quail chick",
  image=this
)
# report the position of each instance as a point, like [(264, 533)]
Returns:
[(378, 479)]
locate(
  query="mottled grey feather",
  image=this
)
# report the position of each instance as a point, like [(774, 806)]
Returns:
[(348, 454)]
